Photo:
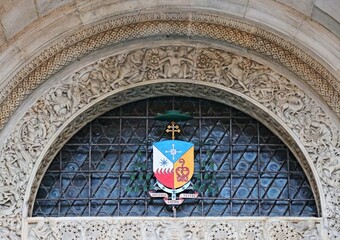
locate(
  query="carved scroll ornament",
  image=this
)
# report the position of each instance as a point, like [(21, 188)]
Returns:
[(171, 23), (206, 65), (174, 229)]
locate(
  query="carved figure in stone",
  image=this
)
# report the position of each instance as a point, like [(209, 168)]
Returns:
[(291, 104), (16, 168), (236, 72), (130, 66), (93, 84), (328, 162), (153, 64), (210, 66), (308, 230), (109, 64), (32, 133), (8, 198), (41, 231), (288, 102), (40, 109), (60, 100), (177, 64), (174, 231), (263, 88)]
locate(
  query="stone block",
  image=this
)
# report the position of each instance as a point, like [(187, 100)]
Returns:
[(10, 59), (20, 15), (94, 10), (2, 37), (325, 47), (44, 6), (326, 20), (331, 7), (275, 16), (303, 6), (49, 29)]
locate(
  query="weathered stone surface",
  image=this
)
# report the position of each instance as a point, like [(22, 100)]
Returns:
[(303, 6), (44, 6), (174, 69), (283, 21), (174, 228), (11, 21), (2, 38), (330, 23), (331, 7), (49, 29)]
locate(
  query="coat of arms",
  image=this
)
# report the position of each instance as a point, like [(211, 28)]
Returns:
[(173, 164)]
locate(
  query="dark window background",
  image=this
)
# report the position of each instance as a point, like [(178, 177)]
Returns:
[(241, 168)]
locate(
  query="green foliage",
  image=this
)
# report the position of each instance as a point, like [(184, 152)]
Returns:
[(206, 178), (139, 177)]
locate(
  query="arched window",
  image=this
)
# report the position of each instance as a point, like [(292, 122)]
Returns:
[(241, 168)]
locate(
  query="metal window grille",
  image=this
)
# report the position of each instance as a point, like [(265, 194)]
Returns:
[(241, 168)]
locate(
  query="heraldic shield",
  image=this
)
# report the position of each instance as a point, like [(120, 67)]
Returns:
[(173, 162)]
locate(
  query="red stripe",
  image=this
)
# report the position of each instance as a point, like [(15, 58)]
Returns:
[(165, 177)]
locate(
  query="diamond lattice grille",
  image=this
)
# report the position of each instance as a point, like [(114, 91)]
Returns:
[(241, 168)]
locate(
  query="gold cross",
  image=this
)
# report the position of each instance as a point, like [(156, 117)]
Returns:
[(173, 128)]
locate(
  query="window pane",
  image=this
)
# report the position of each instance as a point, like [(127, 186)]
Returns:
[(241, 167)]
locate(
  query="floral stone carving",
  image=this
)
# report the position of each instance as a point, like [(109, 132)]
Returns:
[(172, 229), (158, 66)]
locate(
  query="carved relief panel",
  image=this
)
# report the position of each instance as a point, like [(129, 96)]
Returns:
[(221, 70)]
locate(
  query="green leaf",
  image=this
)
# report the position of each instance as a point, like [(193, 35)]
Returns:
[(207, 176), (148, 176), (135, 188), (143, 166), (133, 176)]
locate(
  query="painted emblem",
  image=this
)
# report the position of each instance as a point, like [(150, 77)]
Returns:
[(173, 163)]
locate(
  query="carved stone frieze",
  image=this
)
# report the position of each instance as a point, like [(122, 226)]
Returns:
[(169, 70), (10, 228), (174, 229), (168, 23)]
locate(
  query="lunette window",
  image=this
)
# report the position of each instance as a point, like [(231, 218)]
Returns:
[(241, 168)]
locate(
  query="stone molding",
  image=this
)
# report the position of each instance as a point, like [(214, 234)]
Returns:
[(172, 23), (176, 70), (150, 228)]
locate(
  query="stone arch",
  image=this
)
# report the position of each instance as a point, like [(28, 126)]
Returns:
[(169, 23), (317, 141), (61, 110)]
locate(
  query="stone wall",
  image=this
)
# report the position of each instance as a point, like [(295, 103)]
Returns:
[(70, 61)]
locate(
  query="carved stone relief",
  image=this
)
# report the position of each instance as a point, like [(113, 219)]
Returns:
[(174, 229), (168, 23), (201, 72)]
